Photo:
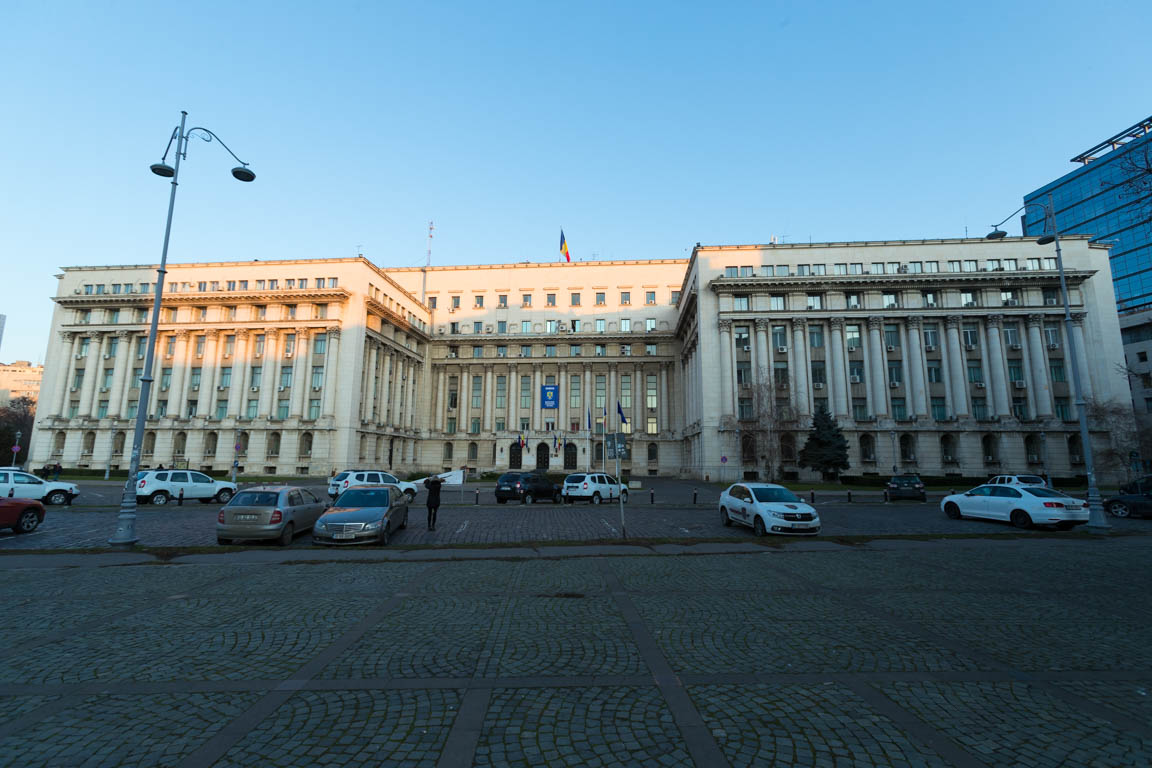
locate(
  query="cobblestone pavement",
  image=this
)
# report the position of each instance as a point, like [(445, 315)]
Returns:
[(964, 652), (194, 524)]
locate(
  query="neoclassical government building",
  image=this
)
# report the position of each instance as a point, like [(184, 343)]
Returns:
[(935, 356)]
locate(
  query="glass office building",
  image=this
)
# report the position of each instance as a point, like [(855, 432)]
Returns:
[(1091, 200)]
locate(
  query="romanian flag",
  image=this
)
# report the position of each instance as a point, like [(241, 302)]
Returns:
[(564, 247)]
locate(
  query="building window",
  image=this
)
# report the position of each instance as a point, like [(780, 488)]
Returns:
[(852, 337), (317, 376), (674, 300), (1020, 408), (649, 324), (650, 296), (980, 408), (929, 298), (971, 333), (257, 375), (525, 350), (477, 391), (525, 391), (816, 336), (477, 351), (478, 302), (221, 409), (450, 427), (501, 391), (650, 396), (650, 349), (815, 301), (549, 299), (1064, 411), (818, 372), (935, 372), (891, 301), (892, 335), (600, 350), (652, 429), (600, 395), (250, 410), (625, 297), (931, 335), (454, 328), (859, 408), (779, 336), (1052, 334), (575, 300), (740, 302), (939, 409), (600, 300), (226, 376), (549, 350), (899, 409), (777, 302), (731, 272), (1056, 367), (975, 372), (895, 372)]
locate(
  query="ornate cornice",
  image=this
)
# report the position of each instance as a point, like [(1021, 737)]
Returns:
[(837, 323), (801, 322), (875, 322), (994, 321), (952, 321), (914, 321), (725, 326), (1035, 320), (1078, 318)]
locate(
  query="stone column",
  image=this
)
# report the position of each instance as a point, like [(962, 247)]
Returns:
[(302, 380), (93, 407), (838, 372), (372, 383), (91, 373), (763, 362), (208, 373), (175, 395), (725, 368), (877, 364), (239, 392), (61, 390), (562, 398), (956, 363), (536, 413), (1040, 389), (441, 397), (399, 372), (997, 374), (488, 399), (665, 411), (1081, 355), (586, 383), (122, 370), (513, 399), (639, 423), (269, 374), (331, 372), (410, 397), (799, 347), (915, 365)]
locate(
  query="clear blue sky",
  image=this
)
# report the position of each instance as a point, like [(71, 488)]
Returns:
[(641, 128)]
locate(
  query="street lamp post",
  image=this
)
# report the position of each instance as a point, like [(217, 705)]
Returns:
[(892, 434), (236, 454), (125, 535), (1097, 521)]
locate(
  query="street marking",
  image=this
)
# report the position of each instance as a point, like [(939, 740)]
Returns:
[(462, 527), (684, 530), (608, 526)]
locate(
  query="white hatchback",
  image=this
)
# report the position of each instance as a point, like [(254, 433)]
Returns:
[(23, 485), (767, 508), (351, 478), (593, 487), (1023, 506), (165, 485)]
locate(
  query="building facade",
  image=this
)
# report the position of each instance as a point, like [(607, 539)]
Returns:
[(942, 357), (19, 379)]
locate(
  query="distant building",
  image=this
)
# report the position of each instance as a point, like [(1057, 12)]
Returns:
[(2, 319), (19, 379)]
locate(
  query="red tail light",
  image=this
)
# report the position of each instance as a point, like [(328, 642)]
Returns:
[(220, 517), (1051, 504), (277, 516), (142, 482), (585, 486), (345, 483), (517, 485)]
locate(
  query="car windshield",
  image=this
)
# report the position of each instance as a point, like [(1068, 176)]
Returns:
[(340, 477), (1044, 493), (774, 494), (254, 499), (364, 497), (574, 479), (905, 480), (510, 477)]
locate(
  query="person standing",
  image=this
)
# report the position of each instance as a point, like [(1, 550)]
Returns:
[(433, 485)]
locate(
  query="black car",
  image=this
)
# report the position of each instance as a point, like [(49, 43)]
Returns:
[(906, 487), (1130, 505), (1136, 487), (525, 487)]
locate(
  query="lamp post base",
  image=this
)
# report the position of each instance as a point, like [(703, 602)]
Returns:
[(125, 536)]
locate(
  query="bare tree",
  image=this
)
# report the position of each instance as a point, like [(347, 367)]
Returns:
[(762, 428), (1118, 423), (1135, 182), (17, 416)]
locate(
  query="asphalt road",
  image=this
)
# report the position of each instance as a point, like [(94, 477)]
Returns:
[(194, 524)]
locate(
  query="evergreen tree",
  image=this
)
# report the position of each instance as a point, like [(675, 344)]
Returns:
[(826, 450)]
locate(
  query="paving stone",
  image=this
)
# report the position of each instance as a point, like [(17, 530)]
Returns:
[(1133, 698)]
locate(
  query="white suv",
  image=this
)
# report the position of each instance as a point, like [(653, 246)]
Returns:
[(23, 485), (594, 487), (1018, 480), (164, 485), (350, 478)]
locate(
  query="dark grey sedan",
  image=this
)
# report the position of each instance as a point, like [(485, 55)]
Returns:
[(367, 514)]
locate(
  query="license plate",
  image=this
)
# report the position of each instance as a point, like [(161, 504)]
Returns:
[(343, 535), (505, 487), (801, 525), (246, 518)]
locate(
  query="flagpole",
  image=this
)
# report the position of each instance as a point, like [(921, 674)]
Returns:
[(619, 482)]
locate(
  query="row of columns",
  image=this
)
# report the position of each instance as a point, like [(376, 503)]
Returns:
[(388, 387), (914, 362), (180, 391)]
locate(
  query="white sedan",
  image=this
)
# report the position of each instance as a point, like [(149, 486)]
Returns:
[(767, 508), (1023, 506)]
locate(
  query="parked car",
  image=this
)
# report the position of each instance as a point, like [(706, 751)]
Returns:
[(906, 487), (767, 508), (25, 485), (21, 515), (593, 487), (1023, 506), (1130, 505), (1034, 480), (526, 487), (352, 478), (363, 515), (268, 512), (164, 485), (1142, 485)]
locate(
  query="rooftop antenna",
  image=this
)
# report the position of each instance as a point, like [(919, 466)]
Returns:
[(360, 250), (427, 264)]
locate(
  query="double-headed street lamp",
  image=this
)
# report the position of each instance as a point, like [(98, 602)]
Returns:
[(125, 536), (1097, 522)]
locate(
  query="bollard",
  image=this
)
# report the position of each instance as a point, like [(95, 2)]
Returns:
[(477, 497), (886, 499), (811, 497), (951, 491), (180, 499), (693, 497), (849, 495), (651, 495)]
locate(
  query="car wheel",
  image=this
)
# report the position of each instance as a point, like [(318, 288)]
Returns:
[(224, 496), (952, 511), (758, 527), (410, 496), (724, 516), (27, 521), (58, 498), (1119, 509), (160, 498), (500, 500), (923, 498), (567, 499), (404, 522), (285, 539), (223, 542), (555, 499), (529, 498), (1020, 519), (383, 540), (596, 497), (624, 497)]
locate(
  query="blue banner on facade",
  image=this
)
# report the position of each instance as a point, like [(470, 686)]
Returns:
[(550, 395)]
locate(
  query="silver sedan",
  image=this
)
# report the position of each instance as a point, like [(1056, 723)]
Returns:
[(367, 514), (268, 512)]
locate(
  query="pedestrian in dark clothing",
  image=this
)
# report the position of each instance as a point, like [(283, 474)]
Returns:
[(433, 485), (160, 466), (56, 471)]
